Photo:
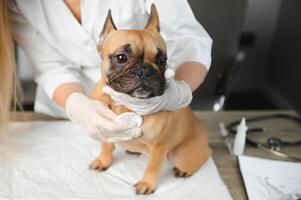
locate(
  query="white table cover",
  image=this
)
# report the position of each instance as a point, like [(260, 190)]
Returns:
[(49, 160)]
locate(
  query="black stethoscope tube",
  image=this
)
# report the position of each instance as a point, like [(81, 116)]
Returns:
[(274, 144)]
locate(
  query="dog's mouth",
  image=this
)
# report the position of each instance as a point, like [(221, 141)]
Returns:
[(141, 81), (142, 93)]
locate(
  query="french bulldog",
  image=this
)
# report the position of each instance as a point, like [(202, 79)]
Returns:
[(134, 62)]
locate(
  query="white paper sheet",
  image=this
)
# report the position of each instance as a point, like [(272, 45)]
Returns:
[(49, 160), (270, 179)]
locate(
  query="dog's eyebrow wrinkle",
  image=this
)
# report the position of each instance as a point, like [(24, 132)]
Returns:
[(126, 48), (142, 55), (160, 53), (123, 48)]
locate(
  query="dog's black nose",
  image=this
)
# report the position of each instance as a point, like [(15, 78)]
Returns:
[(144, 72)]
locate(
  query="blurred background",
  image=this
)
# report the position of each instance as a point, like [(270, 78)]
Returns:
[(256, 56)]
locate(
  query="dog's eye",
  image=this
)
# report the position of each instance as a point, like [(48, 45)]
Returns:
[(121, 58), (162, 61)]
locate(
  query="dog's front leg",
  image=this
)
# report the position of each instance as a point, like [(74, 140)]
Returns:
[(105, 157), (147, 184)]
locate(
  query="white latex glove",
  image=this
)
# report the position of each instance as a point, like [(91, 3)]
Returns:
[(100, 121), (177, 95)]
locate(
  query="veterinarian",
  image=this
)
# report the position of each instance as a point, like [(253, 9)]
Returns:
[(60, 38)]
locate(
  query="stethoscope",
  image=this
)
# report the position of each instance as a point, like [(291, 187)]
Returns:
[(273, 144)]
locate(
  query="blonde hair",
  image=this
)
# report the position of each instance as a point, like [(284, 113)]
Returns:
[(8, 77)]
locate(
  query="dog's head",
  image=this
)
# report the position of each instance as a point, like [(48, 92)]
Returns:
[(134, 61)]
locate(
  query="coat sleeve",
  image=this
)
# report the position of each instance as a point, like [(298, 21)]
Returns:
[(50, 67), (185, 37)]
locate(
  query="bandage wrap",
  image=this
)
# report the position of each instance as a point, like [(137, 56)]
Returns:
[(177, 95)]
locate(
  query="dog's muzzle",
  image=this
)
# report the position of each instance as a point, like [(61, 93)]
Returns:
[(142, 80)]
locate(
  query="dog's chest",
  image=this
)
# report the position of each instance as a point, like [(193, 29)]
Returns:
[(136, 145), (152, 134)]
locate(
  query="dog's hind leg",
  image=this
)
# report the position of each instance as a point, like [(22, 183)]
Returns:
[(190, 155), (105, 158)]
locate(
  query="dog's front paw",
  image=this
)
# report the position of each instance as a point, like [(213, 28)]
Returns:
[(143, 187), (98, 165)]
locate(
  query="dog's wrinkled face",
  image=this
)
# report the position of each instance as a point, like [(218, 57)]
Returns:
[(134, 61)]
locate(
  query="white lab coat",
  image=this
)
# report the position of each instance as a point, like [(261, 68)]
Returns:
[(63, 50)]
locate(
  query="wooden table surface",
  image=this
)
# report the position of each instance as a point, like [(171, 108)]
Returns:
[(225, 163)]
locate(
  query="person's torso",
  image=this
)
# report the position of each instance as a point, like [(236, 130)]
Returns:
[(76, 41)]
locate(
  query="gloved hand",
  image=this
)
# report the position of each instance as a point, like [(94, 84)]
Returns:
[(100, 121), (177, 95)]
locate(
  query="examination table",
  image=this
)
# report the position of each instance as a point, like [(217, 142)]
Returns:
[(226, 164)]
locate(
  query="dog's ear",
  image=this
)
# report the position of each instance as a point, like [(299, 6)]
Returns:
[(108, 27), (153, 20)]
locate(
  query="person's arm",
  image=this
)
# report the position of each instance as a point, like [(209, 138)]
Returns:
[(61, 81), (58, 77), (63, 91), (193, 73), (51, 69)]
